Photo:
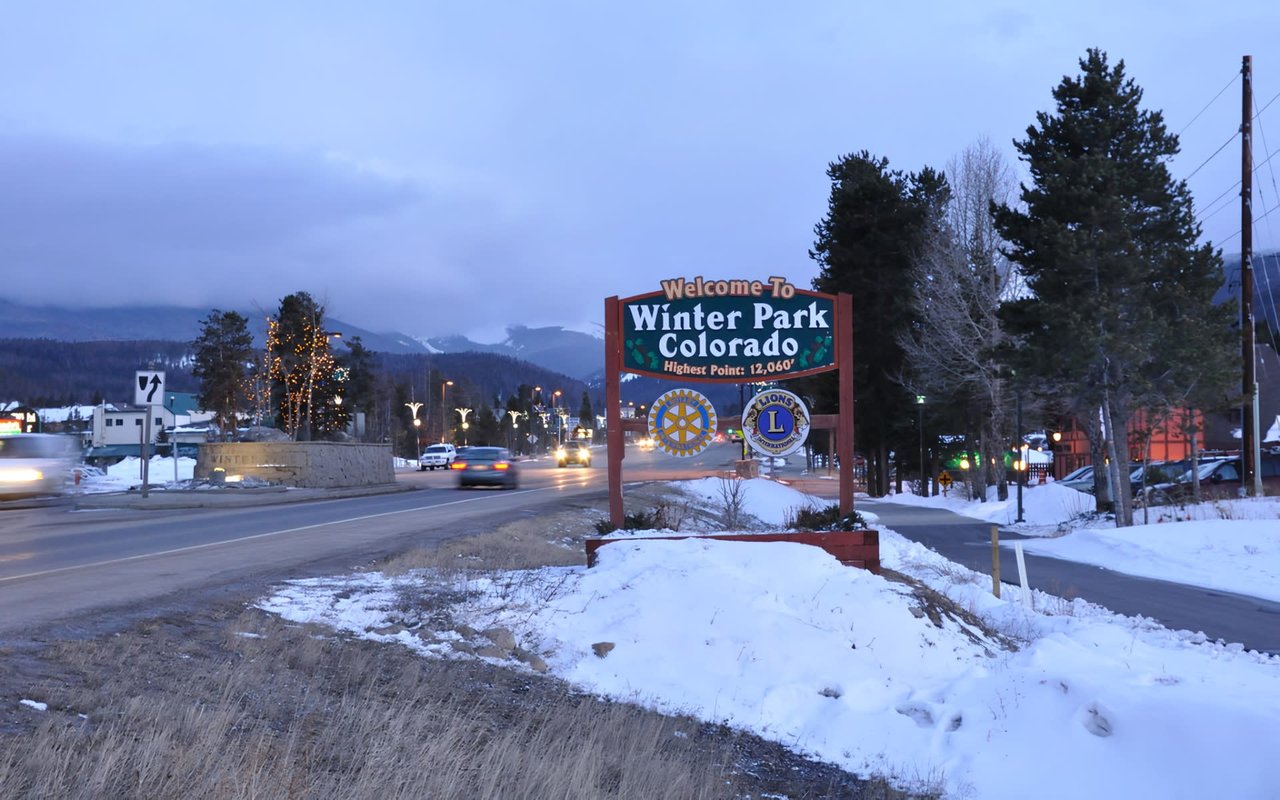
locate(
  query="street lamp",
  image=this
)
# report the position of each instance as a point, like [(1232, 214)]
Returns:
[(1021, 455), (515, 432), (444, 424), (1053, 449), (924, 482), (417, 423), (463, 412)]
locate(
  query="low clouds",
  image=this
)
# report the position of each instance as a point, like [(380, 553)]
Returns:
[(107, 224), (439, 168), (93, 224)]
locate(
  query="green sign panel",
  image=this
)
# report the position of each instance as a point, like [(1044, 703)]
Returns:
[(731, 331)]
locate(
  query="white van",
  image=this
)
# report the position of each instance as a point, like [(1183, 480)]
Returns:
[(33, 464)]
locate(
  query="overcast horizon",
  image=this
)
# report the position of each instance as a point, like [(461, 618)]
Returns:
[(434, 170)]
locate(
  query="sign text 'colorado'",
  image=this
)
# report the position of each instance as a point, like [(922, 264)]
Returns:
[(729, 331)]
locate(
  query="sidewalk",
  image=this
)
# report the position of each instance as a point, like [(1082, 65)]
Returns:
[(158, 499)]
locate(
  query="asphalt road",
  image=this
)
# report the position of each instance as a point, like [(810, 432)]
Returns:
[(1253, 622), (58, 561)]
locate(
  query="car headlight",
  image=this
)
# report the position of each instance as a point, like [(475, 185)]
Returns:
[(21, 475)]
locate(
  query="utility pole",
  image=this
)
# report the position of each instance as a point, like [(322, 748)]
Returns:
[(1249, 421)]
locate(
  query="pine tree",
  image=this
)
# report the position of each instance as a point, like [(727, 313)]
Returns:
[(875, 222), (356, 377), (223, 351), (302, 367), (1121, 308), (586, 418)]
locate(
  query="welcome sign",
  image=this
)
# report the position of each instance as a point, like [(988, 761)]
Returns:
[(732, 331)]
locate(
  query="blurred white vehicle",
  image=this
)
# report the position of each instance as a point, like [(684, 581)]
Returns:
[(33, 464)]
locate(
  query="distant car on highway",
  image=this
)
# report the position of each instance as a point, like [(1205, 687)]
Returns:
[(437, 455), (486, 466), (573, 453), (34, 464)]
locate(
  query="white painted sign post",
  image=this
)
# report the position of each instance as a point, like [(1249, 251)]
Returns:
[(148, 391)]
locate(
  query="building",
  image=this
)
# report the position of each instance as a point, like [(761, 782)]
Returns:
[(118, 429), (1168, 438)]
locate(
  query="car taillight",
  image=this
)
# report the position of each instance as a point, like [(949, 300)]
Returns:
[(458, 465), (501, 465)]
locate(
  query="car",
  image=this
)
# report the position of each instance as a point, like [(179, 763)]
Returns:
[(1080, 479), (437, 455), (1156, 473), (1220, 478), (645, 443), (486, 466), (573, 453), (34, 464)]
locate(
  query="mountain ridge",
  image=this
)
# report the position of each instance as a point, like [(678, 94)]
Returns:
[(578, 355)]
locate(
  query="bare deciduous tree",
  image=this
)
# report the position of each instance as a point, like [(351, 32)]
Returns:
[(960, 278)]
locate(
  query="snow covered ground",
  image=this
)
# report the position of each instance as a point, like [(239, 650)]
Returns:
[(855, 669), (127, 474), (1232, 545)]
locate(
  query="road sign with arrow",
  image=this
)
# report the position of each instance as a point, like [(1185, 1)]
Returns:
[(148, 388)]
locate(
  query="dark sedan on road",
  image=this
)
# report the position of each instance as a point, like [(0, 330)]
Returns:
[(486, 466)]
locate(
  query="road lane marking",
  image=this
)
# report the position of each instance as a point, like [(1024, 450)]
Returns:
[(194, 547)]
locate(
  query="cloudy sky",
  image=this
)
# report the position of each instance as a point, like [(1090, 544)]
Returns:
[(442, 168)]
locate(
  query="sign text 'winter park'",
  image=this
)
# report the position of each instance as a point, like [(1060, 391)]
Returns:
[(728, 330)]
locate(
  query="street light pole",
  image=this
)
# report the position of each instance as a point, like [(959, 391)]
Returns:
[(1021, 465), (924, 482), (444, 423), (463, 412), (417, 423), (515, 416)]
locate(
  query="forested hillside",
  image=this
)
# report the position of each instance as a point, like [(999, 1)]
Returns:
[(46, 373)]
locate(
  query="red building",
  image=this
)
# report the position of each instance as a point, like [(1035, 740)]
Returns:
[(1166, 437)]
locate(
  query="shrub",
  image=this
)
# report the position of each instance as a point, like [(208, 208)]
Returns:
[(662, 517), (825, 519)]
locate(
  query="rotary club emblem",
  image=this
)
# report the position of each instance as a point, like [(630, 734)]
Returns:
[(682, 422)]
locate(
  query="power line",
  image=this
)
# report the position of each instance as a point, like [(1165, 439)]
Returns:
[(1268, 105), (1204, 213), (1255, 219), (1215, 154), (1207, 215), (1230, 83), (1270, 309)]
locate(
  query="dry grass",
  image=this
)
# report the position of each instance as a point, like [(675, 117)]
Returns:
[(223, 702), (521, 544), (297, 714)]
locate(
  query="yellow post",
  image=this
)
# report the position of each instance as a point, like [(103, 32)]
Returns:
[(995, 560)]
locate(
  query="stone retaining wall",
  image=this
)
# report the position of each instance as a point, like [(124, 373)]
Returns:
[(312, 465)]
